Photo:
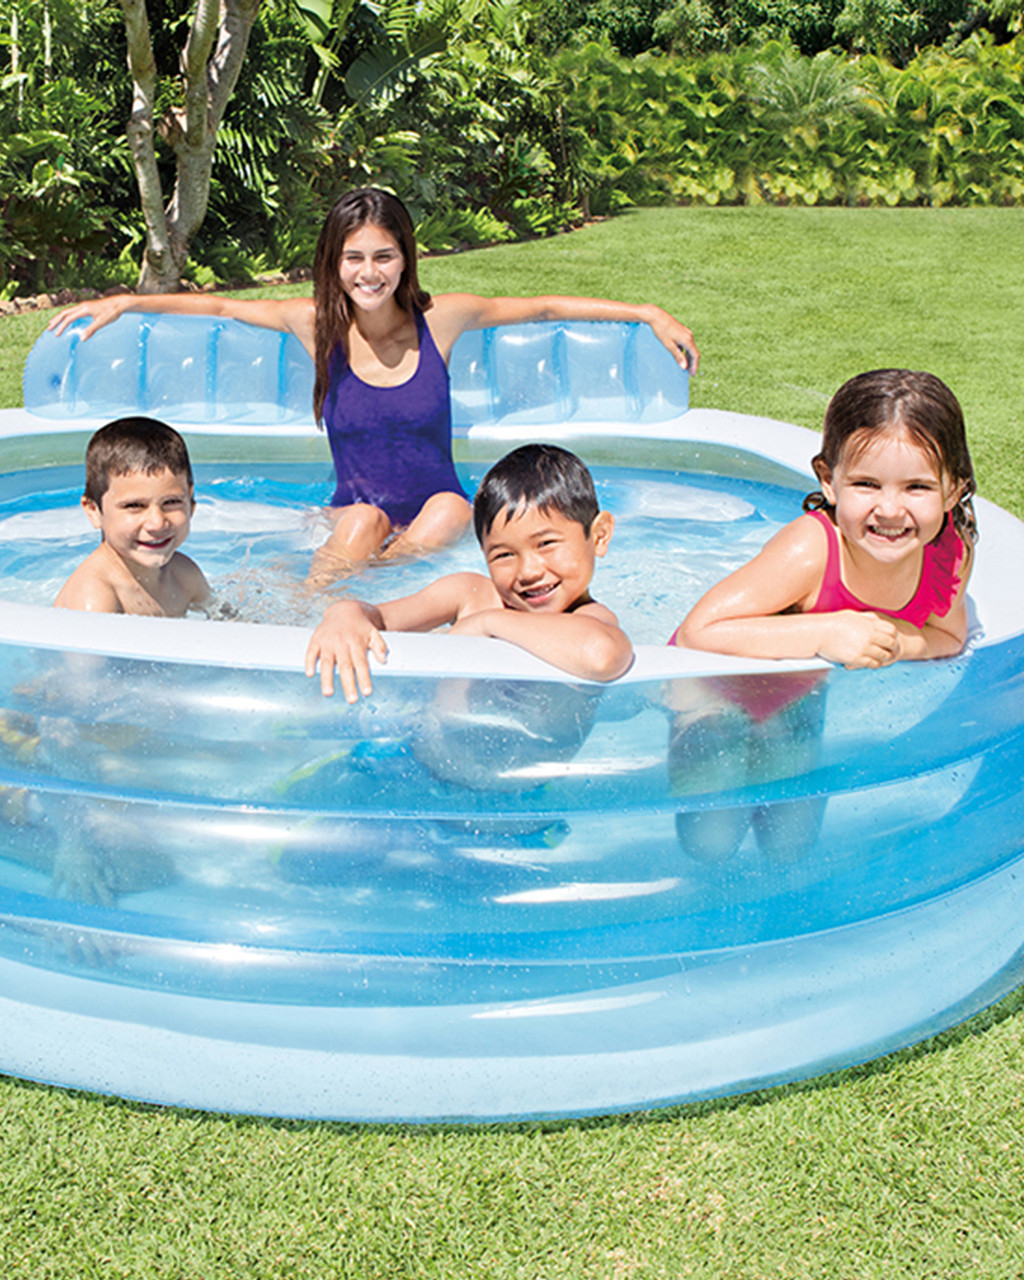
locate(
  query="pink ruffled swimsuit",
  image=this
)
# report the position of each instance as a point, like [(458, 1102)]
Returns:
[(763, 696), (936, 589)]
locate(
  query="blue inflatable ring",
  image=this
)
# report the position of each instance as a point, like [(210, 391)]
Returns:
[(489, 892)]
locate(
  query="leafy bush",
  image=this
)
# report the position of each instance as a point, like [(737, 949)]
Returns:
[(474, 106), (469, 111), (772, 125)]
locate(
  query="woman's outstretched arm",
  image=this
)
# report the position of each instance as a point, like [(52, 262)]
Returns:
[(453, 314), (288, 315)]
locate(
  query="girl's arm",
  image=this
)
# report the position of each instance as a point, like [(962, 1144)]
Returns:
[(287, 315), (453, 314), (588, 642), (746, 614), (945, 636)]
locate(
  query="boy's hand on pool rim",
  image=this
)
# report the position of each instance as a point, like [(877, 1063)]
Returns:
[(343, 639)]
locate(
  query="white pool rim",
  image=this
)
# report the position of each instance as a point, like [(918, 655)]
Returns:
[(998, 613)]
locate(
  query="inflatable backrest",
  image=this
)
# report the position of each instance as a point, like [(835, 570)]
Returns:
[(183, 368), (200, 369), (565, 371)]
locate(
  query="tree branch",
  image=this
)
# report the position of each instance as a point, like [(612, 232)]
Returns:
[(209, 67), (139, 130), (194, 58), (226, 63)]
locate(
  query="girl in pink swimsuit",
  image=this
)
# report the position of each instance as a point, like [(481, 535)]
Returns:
[(876, 570)]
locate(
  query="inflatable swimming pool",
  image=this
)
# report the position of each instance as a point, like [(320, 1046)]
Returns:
[(487, 892)]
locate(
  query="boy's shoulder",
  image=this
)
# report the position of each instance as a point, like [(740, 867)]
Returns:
[(102, 584), (189, 577), (461, 593), (442, 601), (91, 587), (183, 566), (476, 588), (594, 609)]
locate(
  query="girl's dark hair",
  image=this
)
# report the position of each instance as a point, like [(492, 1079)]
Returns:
[(333, 313), (899, 400), (130, 445), (536, 475)]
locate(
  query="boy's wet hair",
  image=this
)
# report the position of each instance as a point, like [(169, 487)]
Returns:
[(130, 445), (351, 212), (895, 400), (536, 475)]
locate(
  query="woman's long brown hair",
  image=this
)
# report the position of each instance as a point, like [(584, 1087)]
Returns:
[(333, 310)]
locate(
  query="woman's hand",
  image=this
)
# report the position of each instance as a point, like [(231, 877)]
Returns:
[(674, 335), (102, 311)]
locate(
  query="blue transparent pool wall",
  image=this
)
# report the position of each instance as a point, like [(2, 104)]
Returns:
[(203, 369), (218, 889), (408, 850)]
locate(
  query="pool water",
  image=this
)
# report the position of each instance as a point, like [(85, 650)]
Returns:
[(676, 535), (490, 896)]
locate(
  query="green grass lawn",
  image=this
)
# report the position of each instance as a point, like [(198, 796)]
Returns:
[(911, 1166)]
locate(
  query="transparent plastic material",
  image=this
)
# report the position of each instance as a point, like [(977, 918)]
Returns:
[(183, 368), (197, 369), (488, 891), (480, 897)]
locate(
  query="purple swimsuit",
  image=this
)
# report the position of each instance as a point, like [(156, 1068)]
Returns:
[(392, 446)]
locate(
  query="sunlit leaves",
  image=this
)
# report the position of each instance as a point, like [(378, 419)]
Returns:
[(776, 126)]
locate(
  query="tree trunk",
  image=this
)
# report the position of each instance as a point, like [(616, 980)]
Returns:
[(210, 63)]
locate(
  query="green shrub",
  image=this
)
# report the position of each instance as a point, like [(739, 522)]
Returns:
[(772, 125)]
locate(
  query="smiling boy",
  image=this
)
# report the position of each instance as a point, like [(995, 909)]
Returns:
[(540, 528), (139, 495)]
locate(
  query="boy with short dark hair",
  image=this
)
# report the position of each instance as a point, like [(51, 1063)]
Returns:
[(540, 528), (139, 494)]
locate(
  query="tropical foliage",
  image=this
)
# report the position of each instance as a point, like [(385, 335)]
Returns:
[(499, 119), (771, 125), (63, 158), (478, 108)]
